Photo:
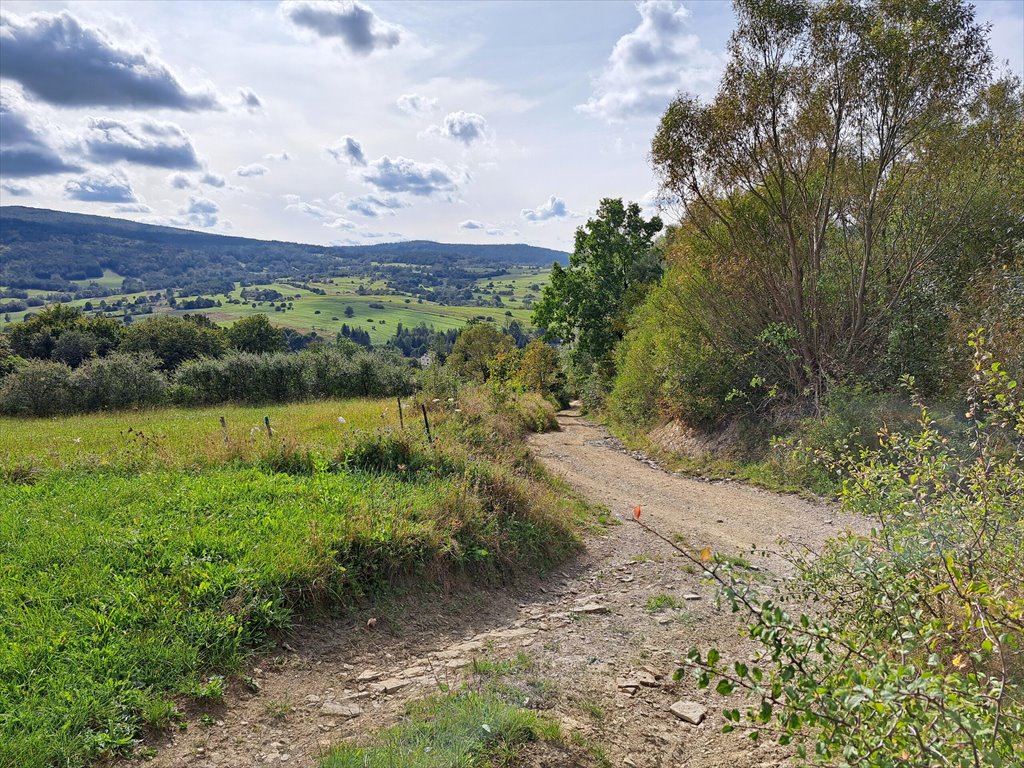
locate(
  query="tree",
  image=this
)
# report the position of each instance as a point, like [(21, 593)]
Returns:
[(349, 311), (825, 175), (539, 370), (611, 268), (39, 336), (255, 334), (476, 347), (173, 340)]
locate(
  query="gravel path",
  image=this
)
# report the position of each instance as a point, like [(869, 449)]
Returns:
[(596, 657)]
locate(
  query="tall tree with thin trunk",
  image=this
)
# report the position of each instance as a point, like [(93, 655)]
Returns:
[(822, 178)]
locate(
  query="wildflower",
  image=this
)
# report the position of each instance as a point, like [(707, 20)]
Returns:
[(341, 419)]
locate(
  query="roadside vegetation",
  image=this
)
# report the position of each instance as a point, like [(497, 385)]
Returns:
[(850, 248), (146, 554)]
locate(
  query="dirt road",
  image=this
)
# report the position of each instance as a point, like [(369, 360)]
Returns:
[(593, 649)]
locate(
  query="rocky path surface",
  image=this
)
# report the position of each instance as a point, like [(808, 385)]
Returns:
[(583, 644)]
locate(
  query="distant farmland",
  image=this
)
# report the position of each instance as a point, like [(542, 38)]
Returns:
[(306, 309)]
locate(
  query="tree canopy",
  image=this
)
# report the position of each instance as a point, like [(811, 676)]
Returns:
[(587, 303), (828, 180)]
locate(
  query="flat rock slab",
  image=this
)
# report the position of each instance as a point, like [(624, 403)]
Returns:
[(591, 608), (340, 709), (390, 685), (689, 712)]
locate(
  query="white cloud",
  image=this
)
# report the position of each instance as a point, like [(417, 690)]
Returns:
[(28, 144), (146, 142), (347, 149), (471, 224), (372, 206), (64, 62), (325, 216), (464, 127), (282, 156), (201, 212), (401, 174), (16, 190), (248, 98), (651, 64), (253, 169), (554, 208), (360, 30), (98, 187), (181, 181), (416, 105), (212, 179)]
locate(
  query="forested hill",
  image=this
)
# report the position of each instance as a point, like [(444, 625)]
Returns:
[(47, 249)]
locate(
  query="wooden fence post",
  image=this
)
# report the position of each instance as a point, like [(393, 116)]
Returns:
[(401, 419), (426, 423), (270, 432), (224, 427)]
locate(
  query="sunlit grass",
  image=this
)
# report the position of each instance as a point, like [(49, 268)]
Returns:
[(177, 437), (456, 731), (136, 566)]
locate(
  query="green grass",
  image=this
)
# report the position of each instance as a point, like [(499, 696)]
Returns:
[(137, 573), (458, 731), (660, 603), (175, 437), (312, 311)]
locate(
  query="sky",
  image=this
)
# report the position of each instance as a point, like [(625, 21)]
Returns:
[(337, 122)]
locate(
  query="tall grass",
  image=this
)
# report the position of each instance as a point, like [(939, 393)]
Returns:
[(149, 554)]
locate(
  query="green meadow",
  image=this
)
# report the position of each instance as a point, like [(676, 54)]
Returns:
[(325, 314), (143, 556)]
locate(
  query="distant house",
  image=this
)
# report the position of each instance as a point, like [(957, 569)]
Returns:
[(426, 360)]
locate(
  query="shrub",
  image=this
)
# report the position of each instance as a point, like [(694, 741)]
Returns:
[(38, 388), (914, 649), (118, 381), (278, 378), (667, 368)]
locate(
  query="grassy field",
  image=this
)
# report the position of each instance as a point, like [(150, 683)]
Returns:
[(143, 558), (325, 314)]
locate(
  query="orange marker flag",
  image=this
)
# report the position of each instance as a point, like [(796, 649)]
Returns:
[(636, 512)]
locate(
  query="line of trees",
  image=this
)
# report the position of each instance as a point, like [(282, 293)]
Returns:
[(852, 207), (62, 361)]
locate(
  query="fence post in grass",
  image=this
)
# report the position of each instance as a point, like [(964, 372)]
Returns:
[(426, 423), (224, 427), (401, 419), (270, 432)]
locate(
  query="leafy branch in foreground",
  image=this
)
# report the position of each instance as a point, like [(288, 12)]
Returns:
[(909, 649)]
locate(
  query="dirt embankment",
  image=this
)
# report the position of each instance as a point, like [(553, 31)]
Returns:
[(599, 653)]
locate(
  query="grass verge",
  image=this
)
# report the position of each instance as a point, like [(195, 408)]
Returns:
[(132, 578)]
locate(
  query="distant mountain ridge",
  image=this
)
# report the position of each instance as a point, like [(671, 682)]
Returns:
[(42, 248)]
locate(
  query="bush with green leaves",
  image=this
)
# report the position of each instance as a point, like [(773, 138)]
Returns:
[(37, 388), (118, 381), (911, 652), (316, 372)]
